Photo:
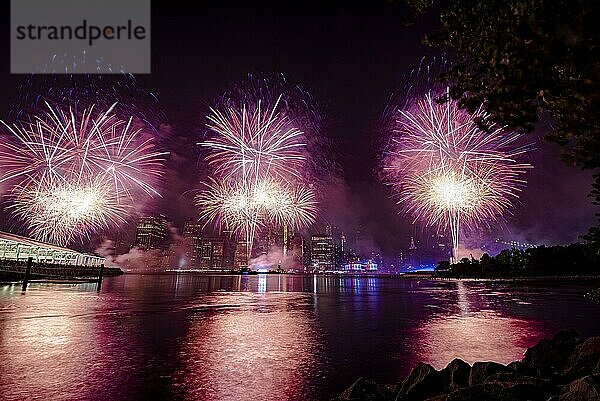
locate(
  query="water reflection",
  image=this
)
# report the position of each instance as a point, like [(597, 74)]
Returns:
[(40, 352), (265, 337), (475, 331), (263, 351)]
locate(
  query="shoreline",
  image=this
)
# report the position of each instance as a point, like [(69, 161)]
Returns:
[(383, 275), (419, 277), (564, 368)]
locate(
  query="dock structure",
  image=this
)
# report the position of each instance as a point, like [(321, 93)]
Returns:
[(25, 259)]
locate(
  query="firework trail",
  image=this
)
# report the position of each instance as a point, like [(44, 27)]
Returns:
[(452, 169), (260, 163), (71, 174)]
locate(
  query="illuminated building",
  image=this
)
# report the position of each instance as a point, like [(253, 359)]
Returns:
[(192, 234), (240, 258), (412, 256), (152, 233), (361, 265), (296, 251), (211, 253), (322, 252), (207, 252), (14, 248), (267, 240)]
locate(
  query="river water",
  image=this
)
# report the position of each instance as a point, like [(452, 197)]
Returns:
[(266, 337)]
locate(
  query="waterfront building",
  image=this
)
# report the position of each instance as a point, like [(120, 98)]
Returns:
[(365, 265), (15, 248), (192, 235), (212, 254), (240, 259), (412, 255), (295, 252)]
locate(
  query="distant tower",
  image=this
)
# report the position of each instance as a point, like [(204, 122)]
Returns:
[(241, 258), (322, 252), (412, 253)]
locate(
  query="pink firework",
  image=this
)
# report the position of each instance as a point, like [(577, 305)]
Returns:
[(260, 166), (450, 172), (254, 142), (72, 174)]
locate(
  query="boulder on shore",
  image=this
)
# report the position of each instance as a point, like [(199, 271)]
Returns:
[(587, 388), (548, 358), (366, 390), (422, 382), (456, 374), (482, 370), (560, 369), (585, 360)]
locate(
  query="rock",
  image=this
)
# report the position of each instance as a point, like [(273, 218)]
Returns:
[(517, 366), (566, 341), (549, 357), (482, 370), (584, 361), (525, 387), (587, 388), (541, 376), (441, 397), (366, 390), (481, 392), (456, 375), (423, 382)]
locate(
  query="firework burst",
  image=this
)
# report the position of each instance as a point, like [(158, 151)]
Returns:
[(449, 171), (71, 174), (260, 166)]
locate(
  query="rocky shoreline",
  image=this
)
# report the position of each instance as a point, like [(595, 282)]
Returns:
[(564, 368)]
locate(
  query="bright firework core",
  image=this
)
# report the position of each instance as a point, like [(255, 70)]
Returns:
[(73, 203), (453, 193)]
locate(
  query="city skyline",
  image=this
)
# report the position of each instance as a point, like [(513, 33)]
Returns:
[(158, 245)]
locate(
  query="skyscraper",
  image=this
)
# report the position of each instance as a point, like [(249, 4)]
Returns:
[(413, 256), (152, 233), (211, 254), (192, 234), (322, 251), (241, 254)]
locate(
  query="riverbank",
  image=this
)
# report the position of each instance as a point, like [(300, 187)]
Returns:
[(10, 274), (564, 368), (427, 275)]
